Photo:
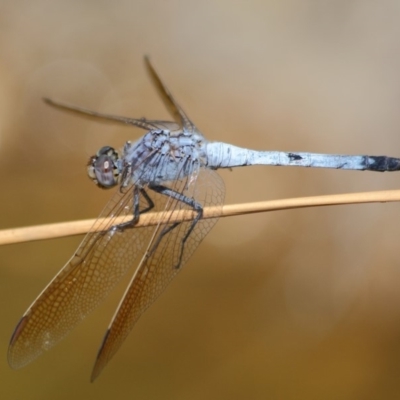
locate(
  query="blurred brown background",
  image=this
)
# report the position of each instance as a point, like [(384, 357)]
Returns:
[(289, 305)]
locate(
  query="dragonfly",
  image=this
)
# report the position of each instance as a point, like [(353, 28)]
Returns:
[(171, 169)]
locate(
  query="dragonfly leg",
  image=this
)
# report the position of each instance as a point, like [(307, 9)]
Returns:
[(125, 225), (150, 203), (136, 211), (186, 200)]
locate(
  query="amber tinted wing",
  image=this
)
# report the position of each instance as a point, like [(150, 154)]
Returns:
[(100, 261), (159, 264)]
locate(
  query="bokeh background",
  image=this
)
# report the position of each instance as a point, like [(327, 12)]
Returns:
[(301, 304)]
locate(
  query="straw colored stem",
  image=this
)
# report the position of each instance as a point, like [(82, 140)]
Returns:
[(49, 231)]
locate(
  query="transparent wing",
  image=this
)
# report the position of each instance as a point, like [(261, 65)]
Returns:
[(172, 105), (142, 123), (100, 261), (163, 260)]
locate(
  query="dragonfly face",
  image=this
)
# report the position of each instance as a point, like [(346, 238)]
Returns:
[(104, 168)]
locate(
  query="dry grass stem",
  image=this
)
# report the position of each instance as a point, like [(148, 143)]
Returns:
[(56, 230)]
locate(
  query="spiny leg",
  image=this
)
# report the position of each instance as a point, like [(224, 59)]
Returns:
[(136, 211), (129, 224), (186, 200)]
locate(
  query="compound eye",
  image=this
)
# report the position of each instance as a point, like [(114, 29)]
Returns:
[(103, 168)]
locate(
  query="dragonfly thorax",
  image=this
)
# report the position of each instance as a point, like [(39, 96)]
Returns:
[(161, 156)]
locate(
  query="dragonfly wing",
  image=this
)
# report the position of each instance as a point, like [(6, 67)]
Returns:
[(172, 105), (159, 265), (100, 261), (140, 123)]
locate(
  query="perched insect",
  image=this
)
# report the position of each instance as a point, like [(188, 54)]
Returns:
[(170, 169)]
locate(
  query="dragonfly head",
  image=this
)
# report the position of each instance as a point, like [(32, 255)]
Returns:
[(103, 168)]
